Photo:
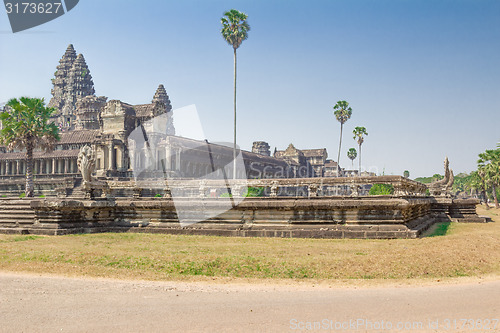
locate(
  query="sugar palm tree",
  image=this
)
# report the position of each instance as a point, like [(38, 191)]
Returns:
[(25, 125), (234, 30), (342, 112), (489, 164), (352, 154), (358, 134)]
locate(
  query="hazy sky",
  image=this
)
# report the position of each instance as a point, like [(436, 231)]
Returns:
[(422, 76)]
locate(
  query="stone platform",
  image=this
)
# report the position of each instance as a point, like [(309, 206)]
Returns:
[(374, 217)]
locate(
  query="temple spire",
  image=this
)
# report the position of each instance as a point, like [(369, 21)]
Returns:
[(162, 105), (60, 78), (162, 97), (72, 81)]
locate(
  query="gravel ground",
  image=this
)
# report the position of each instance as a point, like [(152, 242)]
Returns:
[(33, 303)]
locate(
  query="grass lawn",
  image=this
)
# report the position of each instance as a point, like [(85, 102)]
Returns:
[(455, 250)]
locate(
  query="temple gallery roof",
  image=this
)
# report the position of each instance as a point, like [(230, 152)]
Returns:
[(314, 152), (82, 136), (291, 150), (69, 153)]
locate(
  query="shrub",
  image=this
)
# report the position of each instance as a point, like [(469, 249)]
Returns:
[(381, 189), (254, 191)]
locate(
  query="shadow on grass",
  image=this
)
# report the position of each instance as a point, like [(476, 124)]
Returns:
[(440, 229)]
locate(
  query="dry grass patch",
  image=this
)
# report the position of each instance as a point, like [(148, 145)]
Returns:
[(466, 250)]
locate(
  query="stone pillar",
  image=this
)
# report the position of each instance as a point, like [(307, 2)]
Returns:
[(53, 166), (66, 165), (131, 154), (178, 159), (113, 157), (17, 167), (119, 158)]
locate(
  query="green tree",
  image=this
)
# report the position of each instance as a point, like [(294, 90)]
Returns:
[(406, 174), (342, 112), (474, 182), (352, 154), (26, 125), (358, 134), (489, 165), (234, 30)]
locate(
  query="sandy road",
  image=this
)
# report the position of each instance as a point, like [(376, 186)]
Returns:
[(32, 303)]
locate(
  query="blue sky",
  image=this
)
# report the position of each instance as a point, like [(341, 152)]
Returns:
[(421, 76)]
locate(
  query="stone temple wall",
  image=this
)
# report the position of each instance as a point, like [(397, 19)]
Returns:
[(317, 217)]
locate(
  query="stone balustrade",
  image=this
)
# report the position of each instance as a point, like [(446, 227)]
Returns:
[(273, 187)]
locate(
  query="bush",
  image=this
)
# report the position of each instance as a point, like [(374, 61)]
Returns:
[(254, 192), (381, 189), (158, 195), (22, 195)]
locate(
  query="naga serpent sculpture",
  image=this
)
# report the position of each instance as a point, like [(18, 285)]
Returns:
[(86, 164)]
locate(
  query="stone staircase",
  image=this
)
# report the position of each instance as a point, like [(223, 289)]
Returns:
[(16, 216)]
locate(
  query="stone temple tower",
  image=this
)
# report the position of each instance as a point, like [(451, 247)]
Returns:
[(261, 148), (72, 82), (162, 105), (60, 81)]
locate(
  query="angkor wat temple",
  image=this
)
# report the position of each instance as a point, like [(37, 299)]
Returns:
[(87, 119)]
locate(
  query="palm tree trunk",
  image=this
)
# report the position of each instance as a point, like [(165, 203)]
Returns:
[(234, 146), (495, 195), (359, 161), (29, 171), (485, 198), (340, 146)]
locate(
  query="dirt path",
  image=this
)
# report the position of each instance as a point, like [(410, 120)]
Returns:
[(33, 303)]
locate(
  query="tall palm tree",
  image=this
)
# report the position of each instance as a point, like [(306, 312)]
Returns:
[(358, 134), (489, 164), (342, 112), (25, 125), (352, 154), (234, 30)]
